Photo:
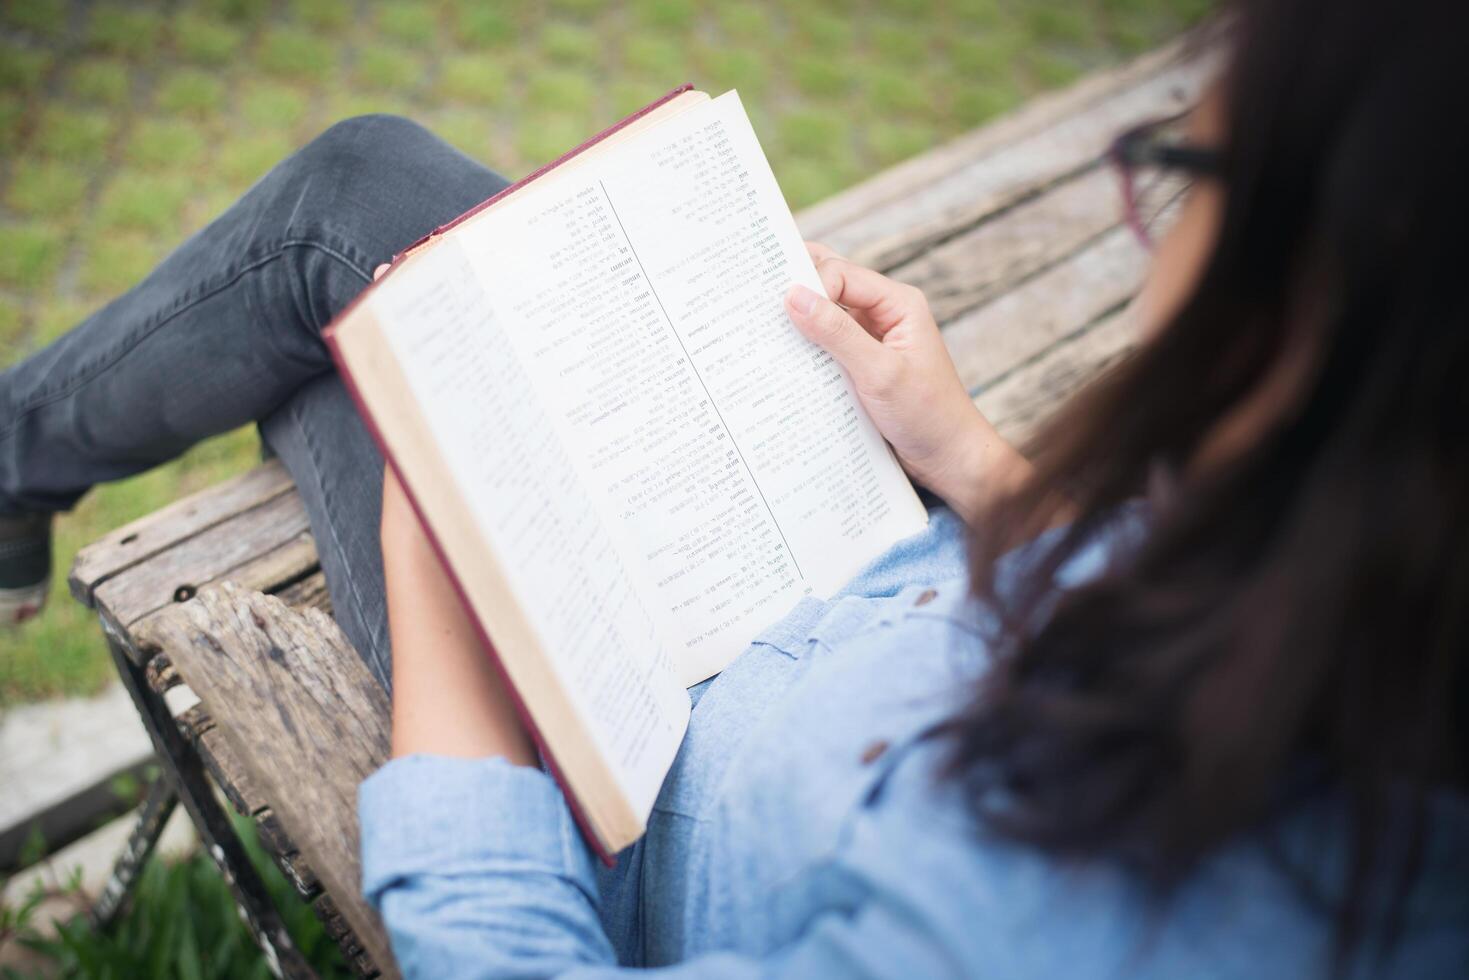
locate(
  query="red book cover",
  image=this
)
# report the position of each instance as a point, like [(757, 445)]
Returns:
[(329, 335)]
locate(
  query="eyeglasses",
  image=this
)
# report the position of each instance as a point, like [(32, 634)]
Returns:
[(1156, 167)]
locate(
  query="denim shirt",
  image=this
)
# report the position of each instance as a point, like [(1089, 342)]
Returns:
[(805, 830)]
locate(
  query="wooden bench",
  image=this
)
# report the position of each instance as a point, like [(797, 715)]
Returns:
[(217, 614)]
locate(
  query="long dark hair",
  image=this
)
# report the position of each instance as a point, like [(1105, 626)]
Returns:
[(1302, 607)]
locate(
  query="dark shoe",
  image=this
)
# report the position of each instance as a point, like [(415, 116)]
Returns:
[(25, 566)]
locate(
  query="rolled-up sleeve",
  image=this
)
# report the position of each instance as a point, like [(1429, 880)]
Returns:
[(478, 869)]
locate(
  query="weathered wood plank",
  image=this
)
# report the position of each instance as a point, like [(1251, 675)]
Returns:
[(989, 342), (305, 717), (309, 592), (1003, 251), (1026, 397), (157, 532), (176, 574), (826, 218), (936, 212)]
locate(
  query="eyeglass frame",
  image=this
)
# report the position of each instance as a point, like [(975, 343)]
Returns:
[(1138, 146)]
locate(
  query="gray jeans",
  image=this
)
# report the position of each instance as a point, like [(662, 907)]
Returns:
[(227, 330)]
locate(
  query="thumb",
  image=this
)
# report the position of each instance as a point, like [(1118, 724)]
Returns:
[(831, 328)]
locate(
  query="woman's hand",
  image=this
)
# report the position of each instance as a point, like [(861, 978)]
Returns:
[(883, 334)]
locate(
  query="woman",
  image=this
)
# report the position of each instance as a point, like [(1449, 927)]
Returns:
[(1204, 731)]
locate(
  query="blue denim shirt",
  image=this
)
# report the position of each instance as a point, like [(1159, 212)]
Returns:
[(803, 831)]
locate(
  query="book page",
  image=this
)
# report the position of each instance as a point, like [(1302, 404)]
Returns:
[(729, 458), (531, 506)]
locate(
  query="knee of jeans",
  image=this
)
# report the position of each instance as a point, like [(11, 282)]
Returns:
[(352, 147)]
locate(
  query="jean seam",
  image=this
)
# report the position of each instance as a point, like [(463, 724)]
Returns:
[(90, 372), (326, 506)]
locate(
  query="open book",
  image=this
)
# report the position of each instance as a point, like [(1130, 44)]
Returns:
[(627, 457)]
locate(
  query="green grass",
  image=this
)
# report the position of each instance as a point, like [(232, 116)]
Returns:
[(476, 79), (204, 40), (139, 121), (29, 255), (132, 32), (181, 921), (22, 68), (192, 92), (386, 68), (41, 189)]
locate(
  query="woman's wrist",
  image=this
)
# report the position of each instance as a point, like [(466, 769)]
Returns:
[(983, 470)]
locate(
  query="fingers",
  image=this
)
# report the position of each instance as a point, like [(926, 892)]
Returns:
[(884, 302), (830, 327), (378, 272), (874, 300)]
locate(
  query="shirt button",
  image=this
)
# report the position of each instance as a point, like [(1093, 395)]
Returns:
[(874, 752), (925, 597)]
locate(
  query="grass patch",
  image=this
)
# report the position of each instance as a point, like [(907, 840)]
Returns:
[(807, 181), (745, 21), (181, 922), (102, 81), (268, 105), (29, 254), (979, 104), (21, 68), (473, 78), (564, 43), (557, 90), (815, 134), (45, 189), (12, 112), (900, 45), (75, 136), (113, 263), (165, 144), (408, 22), (827, 78), (12, 325), (897, 91), (732, 68), (675, 15), (191, 92), (827, 30), (466, 130), (655, 56), (547, 138), (387, 69), (143, 202), (125, 31), (892, 142), (323, 14), (483, 26), (295, 54), (46, 18), (239, 11), (245, 159), (205, 41)]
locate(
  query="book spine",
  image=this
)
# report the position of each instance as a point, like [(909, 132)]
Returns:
[(521, 710)]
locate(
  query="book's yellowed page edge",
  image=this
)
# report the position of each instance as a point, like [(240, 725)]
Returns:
[(422, 469)]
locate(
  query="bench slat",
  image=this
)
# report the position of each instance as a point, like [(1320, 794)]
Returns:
[(306, 719), (1019, 403), (155, 533), (234, 542), (1002, 252), (1000, 337)]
